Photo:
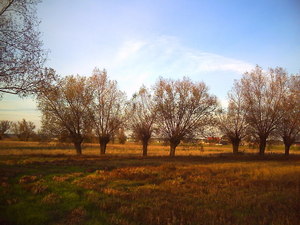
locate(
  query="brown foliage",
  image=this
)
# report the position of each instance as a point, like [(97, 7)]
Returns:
[(24, 130), (142, 117), (289, 127), (107, 108), (64, 108), (262, 94), (184, 109), (4, 127), (232, 122)]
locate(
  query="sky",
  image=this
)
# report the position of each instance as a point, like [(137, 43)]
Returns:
[(138, 41)]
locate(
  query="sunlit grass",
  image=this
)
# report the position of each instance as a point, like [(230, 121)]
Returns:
[(128, 149), (49, 186)]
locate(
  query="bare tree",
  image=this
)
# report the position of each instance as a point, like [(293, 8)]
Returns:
[(64, 110), (142, 117), (107, 110), (121, 136), (289, 127), (23, 129), (21, 51), (262, 96), (5, 125), (232, 122), (184, 108)]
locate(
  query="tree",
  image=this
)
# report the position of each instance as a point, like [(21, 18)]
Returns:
[(142, 117), (232, 122), (289, 127), (107, 110), (64, 110), (23, 130), (121, 136), (21, 54), (184, 108), (4, 127), (43, 135), (262, 97)]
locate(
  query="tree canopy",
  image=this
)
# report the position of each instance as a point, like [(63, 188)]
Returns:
[(184, 109), (22, 55)]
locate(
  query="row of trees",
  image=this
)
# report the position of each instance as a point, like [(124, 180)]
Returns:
[(79, 106), (25, 130), (22, 129), (262, 104)]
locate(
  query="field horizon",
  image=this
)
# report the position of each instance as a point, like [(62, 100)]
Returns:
[(11, 147)]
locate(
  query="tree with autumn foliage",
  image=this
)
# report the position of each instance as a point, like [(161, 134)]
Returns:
[(23, 129), (142, 117), (64, 110), (184, 109), (107, 110), (232, 122), (5, 125), (289, 127), (262, 96)]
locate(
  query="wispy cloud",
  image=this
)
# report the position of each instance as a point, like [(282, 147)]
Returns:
[(142, 61), (128, 49)]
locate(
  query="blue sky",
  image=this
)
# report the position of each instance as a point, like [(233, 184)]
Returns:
[(138, 41)]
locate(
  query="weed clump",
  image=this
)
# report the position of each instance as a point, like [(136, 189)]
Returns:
[(51, 199), (77, 216), (37, 187), (63, 178), (27, 179)]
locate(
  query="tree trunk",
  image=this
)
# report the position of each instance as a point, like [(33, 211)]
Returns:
[(235, 145), (288, 140), (77, 145), (287, 149), (103, 142), (172, 150), (262, 145), (173, 145), (145, 147), (235, 148)]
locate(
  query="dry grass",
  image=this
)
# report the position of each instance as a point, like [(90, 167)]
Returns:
[(124, 188), (128, 149), (226, 193)]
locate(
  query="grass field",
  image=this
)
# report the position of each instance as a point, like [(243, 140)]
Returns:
[(48, 184)]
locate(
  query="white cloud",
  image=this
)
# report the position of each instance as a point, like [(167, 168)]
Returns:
[(128, 49), (138, 62), (142, 61)]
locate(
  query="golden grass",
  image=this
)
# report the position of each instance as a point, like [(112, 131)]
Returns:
[(48, 186), (226, 193), (128, 149)]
